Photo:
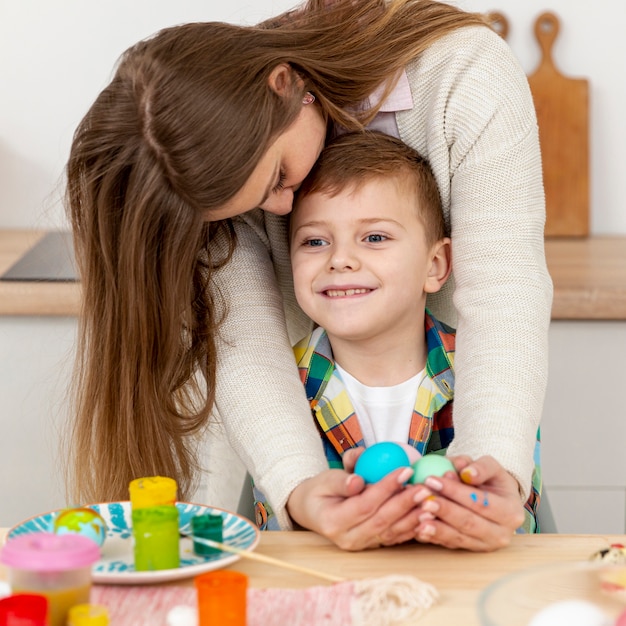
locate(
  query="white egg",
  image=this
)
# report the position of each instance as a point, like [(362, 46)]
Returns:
[(571, 613)]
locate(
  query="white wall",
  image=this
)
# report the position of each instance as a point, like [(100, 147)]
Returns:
[(56, 55)]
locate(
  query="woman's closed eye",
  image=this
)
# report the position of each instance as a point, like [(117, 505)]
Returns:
[(280, 185)]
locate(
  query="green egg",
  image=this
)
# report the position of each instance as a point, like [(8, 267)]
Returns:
[(430, 465)]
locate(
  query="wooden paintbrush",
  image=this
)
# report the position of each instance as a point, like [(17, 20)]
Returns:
[(253, 556)]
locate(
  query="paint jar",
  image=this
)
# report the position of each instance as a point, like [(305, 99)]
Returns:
[(152, 491), (88, 615), (24, 609), (208, 526), (55, 566), (222, 598), (155, 531)]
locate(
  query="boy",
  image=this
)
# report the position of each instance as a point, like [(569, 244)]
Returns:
[(368, 244)]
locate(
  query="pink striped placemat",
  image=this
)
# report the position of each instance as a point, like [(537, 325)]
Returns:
[(313, 606)]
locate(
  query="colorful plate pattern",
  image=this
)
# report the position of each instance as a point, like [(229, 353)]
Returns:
[(116, 565)]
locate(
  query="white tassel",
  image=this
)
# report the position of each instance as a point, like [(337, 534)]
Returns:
[(391, 600)]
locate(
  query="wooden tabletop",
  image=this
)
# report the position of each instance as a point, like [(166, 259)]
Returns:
[(589, 276), (459, 576)]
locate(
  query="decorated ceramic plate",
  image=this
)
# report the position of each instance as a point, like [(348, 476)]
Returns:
[(116, 564), (575, 593)]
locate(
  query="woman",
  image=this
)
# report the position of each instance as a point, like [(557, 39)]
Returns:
[(179, 181)]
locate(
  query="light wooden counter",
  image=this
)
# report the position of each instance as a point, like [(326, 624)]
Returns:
[(32, 298), (589, 278)]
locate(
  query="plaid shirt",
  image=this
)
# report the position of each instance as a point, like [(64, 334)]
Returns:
[(431, 428)]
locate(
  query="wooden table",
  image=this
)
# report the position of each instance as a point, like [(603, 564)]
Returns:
[(459, 576)]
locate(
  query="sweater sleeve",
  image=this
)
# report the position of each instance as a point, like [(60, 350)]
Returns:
[(474, 119), (260, 398)]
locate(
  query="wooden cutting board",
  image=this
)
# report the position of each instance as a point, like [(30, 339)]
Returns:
[(562, 106)]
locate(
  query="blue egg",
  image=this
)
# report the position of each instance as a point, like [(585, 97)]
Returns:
[(379, 460)]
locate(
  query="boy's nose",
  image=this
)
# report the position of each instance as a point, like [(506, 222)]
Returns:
[(343, 259)]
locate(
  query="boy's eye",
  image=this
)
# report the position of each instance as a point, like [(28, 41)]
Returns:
[(315, 243), (375, 238)]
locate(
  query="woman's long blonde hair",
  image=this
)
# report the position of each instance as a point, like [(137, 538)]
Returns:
[(175, 134)]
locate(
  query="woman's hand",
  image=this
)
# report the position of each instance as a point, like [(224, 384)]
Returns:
[(338, 505), (479, 512)]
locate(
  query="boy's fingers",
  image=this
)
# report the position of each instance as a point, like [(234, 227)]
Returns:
[(350, 457)]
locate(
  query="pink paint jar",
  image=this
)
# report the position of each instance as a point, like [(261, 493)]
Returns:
[(57, 567)]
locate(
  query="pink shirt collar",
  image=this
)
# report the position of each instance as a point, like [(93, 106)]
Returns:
[(400, 99)]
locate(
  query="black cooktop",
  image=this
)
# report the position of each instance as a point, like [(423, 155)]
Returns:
[(50, 259)]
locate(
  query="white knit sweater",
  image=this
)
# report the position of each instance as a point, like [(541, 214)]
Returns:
[(474, 120)]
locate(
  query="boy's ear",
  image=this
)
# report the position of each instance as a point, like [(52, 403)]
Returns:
[(281, 79), (440, 265)]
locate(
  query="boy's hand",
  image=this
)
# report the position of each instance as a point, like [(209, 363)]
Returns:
[(479, 512), (337, 505)]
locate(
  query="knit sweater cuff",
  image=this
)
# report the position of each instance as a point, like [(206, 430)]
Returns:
[(283, 478)]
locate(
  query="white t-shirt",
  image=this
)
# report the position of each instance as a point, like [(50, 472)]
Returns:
[(384, 412)]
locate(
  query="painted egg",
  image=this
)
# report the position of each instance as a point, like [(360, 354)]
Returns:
[(615, 553), (572, 613), (431, 465), (379, 460), (83, 521), (613, 581), (411, 452)]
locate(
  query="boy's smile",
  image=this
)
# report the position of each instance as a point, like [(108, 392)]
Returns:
[(347, 291)]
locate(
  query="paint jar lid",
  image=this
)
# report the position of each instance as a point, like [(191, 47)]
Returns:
[(154, 515), (88, 615), (47, 552), (27, 609), (208, 521), (152, 491)]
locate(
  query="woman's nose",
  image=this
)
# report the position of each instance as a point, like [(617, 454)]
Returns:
[(279, 203)]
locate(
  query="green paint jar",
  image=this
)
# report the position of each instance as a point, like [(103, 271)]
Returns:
[(208, 526), (155, 530)]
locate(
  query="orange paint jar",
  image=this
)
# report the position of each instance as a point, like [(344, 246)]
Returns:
[(222, 597)]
